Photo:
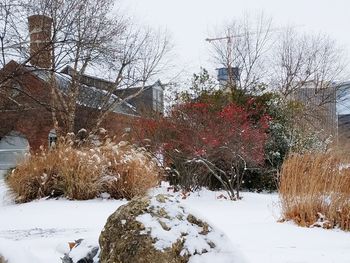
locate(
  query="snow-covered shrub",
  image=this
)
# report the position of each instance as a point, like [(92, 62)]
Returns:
[(315, 190), (120, 169)]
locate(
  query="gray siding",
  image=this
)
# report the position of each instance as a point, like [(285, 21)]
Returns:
[(320, 108)]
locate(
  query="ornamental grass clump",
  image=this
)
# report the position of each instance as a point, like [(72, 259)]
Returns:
[(121, 170), (314, 190)]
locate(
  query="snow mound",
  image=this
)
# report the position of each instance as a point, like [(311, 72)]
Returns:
[(170, 222)]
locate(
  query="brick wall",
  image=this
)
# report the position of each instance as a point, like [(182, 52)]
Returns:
[(36, 122), (35, 125)]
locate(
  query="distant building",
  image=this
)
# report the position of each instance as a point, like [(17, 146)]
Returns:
[(225, 75), (149, 99), (146, 100), (343, 108), (319, 108), (344, 126)]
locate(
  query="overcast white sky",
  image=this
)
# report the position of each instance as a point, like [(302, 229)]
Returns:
[(188, 21)]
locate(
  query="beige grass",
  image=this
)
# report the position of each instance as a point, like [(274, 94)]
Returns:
[(122, 170), (2, 259), (314, 190)]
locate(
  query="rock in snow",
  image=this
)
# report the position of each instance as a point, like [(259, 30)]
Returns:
[(159, 230)]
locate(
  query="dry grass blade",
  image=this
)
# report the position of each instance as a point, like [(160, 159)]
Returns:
[(315, 190)]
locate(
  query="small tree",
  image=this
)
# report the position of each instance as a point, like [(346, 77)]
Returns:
[(243, 44)]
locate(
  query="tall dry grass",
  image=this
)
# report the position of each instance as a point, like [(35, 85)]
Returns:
[(122, 170), (2, 259), (314, 190)]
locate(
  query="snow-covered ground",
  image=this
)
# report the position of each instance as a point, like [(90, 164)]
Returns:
[(39, 232), (252, 226)]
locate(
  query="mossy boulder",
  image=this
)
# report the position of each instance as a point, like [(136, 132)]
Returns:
[(156, 230)]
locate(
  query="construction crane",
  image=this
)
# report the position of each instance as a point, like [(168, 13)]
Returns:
[(229, 37), (229, 69)]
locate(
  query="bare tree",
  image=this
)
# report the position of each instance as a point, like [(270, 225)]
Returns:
[(307, 68), (82, 33), (243, 44), (12, 46), (12, 36), (141, 57), (300, 59), (86, 35)]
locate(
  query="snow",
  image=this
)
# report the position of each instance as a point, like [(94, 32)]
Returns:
[(195, 241), (251, 224), (43, 228), (14, 252), (81, 250), (39, 231)]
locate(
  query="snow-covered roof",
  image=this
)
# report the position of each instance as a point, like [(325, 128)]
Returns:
[(88, 96)]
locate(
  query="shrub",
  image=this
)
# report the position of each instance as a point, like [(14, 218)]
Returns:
[(206, 144), (121, 170), (260, 180), (315, 190), (132, 170)]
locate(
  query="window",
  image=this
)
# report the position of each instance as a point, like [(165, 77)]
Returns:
[(52, 138), (158, 99)]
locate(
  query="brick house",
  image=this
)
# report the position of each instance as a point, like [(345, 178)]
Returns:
[(25, 116), (149, 101)]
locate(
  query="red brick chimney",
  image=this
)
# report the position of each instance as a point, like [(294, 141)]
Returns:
[(40, 40)]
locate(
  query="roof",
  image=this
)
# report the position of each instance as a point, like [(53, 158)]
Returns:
[(88, 96), (103, 83), (93, 91)]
